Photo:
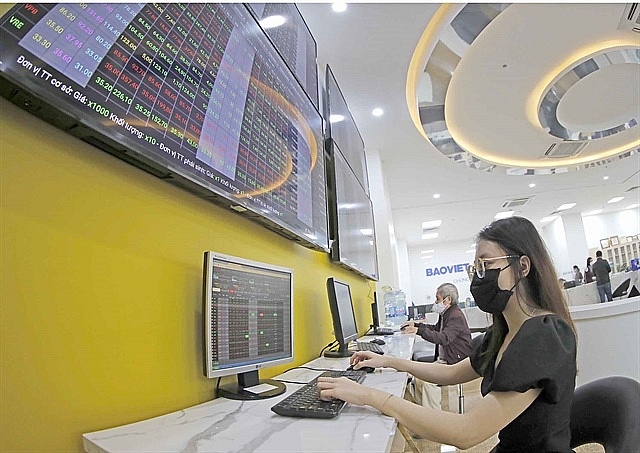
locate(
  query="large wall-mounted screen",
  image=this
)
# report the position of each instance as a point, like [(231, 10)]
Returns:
[(352, 222), (288, 31), (343, 130), (192, 92)]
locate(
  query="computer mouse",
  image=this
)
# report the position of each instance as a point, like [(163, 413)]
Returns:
[(368, 369), (377, 341)]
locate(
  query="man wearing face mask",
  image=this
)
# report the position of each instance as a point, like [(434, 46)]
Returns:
[(451, 336), (451, 333)]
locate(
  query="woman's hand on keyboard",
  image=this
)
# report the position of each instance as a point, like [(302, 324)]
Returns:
[(344, 389)]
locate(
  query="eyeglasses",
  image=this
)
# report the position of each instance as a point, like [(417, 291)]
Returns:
[(479, 268)]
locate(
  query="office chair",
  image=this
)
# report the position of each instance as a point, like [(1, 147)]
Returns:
[(607, 411), (622, 289)]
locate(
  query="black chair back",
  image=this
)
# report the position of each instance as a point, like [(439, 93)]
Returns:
[(622, 289), (607, 411)]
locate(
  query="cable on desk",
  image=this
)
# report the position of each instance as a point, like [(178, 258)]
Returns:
[(332, 344)]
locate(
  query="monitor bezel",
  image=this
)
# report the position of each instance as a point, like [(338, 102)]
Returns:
[(358, 168), (336, 317), (209, 258), (336, 229)]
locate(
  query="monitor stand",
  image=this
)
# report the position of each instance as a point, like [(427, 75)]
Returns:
[(343, 351), (236, 390)]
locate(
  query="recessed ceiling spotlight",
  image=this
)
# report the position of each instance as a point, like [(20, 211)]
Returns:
[(427, 251), (594, 212), (430, 236), (336, 118), (504, 214), (615, 199), (436, 195), (532, 185), (549, 218), (427, 257), (565, 206), (272, 21), (431, 224), (339, 7), (366, 232), (632, 206), (605, 178), (377, 111)]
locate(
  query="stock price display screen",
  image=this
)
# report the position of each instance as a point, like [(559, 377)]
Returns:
[(196, 87)]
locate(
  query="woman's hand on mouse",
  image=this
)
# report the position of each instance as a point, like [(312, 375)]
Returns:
[(367, 358)]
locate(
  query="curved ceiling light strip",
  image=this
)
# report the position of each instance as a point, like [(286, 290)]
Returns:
[(453, 29), (548, 110)]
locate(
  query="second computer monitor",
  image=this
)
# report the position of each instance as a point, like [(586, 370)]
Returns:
[(344, 320)]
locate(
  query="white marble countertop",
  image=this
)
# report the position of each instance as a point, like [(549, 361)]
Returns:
[(224, 425)]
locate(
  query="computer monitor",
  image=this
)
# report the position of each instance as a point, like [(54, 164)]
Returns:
[(344, 319), (248, 323), (374, 312)]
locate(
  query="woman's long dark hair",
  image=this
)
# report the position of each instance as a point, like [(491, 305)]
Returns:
[(518, 236)]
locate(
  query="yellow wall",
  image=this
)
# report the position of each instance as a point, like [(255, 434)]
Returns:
[(101, 276)]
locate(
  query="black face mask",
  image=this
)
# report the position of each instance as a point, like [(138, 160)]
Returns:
[(487, 294)]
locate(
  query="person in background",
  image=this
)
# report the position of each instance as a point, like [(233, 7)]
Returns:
[(588, 272), (527, 358), (601, 270), (450, 334), (577, 275)]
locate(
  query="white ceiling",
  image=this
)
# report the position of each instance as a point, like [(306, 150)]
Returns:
[(369, 48)]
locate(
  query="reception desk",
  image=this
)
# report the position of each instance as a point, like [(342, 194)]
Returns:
[(223, 425), (588, 294), (608, 339)]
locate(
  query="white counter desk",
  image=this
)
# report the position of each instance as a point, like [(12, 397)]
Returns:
[(588, 293), (224, 425)]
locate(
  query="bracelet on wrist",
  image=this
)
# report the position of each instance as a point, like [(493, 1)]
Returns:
[(385, 402)]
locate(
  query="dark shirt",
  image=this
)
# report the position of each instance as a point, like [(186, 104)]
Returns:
[(541, 355), (601, 270), (451, 334)]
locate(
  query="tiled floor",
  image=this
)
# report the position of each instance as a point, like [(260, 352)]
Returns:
[(472, 393)]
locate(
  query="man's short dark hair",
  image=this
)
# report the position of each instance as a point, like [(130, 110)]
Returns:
[(598, 253)]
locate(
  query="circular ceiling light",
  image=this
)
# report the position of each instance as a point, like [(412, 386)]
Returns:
[(339, 7), (377, 112), (445, 67), (566, 112)]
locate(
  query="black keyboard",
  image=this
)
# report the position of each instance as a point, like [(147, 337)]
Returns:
[(362, 346), (305, 402), (383, 331)]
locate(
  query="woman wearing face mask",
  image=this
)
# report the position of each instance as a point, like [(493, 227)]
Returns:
[(527, 359)]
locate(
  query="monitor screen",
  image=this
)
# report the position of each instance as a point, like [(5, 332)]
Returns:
[(248, 322), (351, 220), (343, 316), (285, 26), (194, 93), (342, 130)]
